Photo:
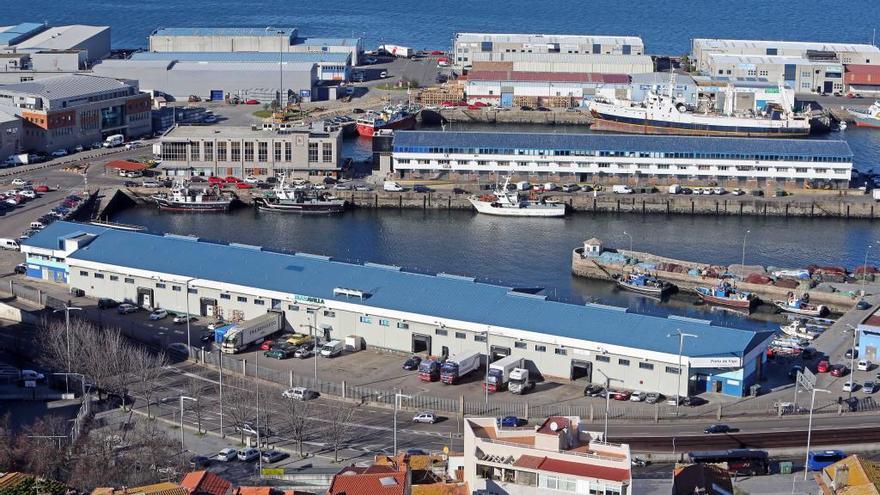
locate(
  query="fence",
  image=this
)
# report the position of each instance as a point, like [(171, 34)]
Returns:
[(85, 411)]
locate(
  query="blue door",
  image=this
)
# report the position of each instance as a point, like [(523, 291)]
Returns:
[(506, 99), (216, 95)]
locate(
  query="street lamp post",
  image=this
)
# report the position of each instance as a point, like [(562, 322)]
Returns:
[(67, 308), (397, 397), (810, 428), (188, 343), (486, 379), (220, 365), (852, 359), (630, 242), (742, 265), (313, 330), (607, 402), (183, 398), (681, 335), (865, 271)]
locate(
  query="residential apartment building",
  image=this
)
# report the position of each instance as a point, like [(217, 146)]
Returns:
[(66, 111), (559, 456), (259, 151)]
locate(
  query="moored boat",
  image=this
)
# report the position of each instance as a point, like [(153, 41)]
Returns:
[(801, 306), (866, 118), (504, 202), (184, 198), (299, 200), (798, 330), (643, 283), (391, 117), (725, 294)]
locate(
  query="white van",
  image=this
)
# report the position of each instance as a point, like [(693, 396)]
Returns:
[(523, 186), (675, 189), (392, 186), (332, 348), (621, 189), (114, 141), (11, 244), (550, 186), (37, 225)]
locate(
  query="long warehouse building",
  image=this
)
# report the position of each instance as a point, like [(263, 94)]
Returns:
[(617, 159), (400, 310)]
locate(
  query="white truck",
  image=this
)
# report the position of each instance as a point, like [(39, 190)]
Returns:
[(114, 141), (392, 186), (19, 159), (252, 331), (621, 189), (458, 366), (499, 372), (519, 381), (875, 193), (398, 51)]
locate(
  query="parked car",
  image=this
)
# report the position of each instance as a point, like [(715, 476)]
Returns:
[(158, 314), (425, 417), (20, 269), (32, 375), (838, 370), (849, 386), (279, 353), (637, 396), (593, 390), (717, 428), (300, 393), (250, 179), (869, 387), (251, 429), (19, 182), (249, 454), (106, 302), (421, 188), (620, 395), (180, 319), (509, 421), (126, 308), (864, 365), (851, 353), (59, 153), (227, 454), (363, 188), (271, 456), (653, 397), (243, 185), (305, 351), (823, 366), (216, 324), (570, 188), (150, 184), (412, 363), (267, 344)]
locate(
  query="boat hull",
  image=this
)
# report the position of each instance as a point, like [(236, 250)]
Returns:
[(325, 208), (607, 122), (204, 207), (810, 310), (863, 120), (405, 123), (547, 210), (651, 291), (726, 301)]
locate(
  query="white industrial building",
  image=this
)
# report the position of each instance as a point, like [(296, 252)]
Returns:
[(548, 89), (563, 62), (802, 74), (469, 48), (733, 162), (841, 53), (262, 40), (31, 51), (331, 66), (218, 80), (562, 455)]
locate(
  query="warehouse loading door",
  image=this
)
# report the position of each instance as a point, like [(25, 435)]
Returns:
[(581, 369), (207, 306), (497, 353), (145, 297), (506, 99), (421, 343)]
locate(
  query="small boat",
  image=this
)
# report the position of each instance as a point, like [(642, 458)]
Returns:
[(801, 306), (866, 118), (798, 330), (643, 283), (184, 198), (504, 202), (400, 117), (726, 295), (299, 200), (819, 322)]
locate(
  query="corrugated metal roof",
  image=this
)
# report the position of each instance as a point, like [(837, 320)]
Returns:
[(584, 77), (11, 35), (243, 56), (327, 41), (762, 59), (223, 31), (242, 66), (729, 44), (548, 38), (593, 58), (862, 74), (66, 86), (623, 142), (455, 298), (61, 37)]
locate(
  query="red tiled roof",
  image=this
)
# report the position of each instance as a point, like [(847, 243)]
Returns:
[(585, 77), (862, 74), (253, 490), (584, 470), (529, 461), (128, 166), (368, 481), (561, 422), (204, 483)]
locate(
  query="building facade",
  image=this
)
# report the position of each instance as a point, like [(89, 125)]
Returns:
[(840, 53), (66, 111), (734, 162), (559, 456), (411, 312), (331, 66), (491, 47), (243, 151), (11, 132), (862, 80), (548, 89), (801, 74), (563, 62)]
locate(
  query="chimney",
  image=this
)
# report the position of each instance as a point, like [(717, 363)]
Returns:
[(841, 477)]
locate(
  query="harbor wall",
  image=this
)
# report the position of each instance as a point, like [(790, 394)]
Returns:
[(589, 267), (494, 115)]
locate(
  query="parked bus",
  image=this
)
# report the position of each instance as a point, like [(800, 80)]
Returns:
[(739, 461)]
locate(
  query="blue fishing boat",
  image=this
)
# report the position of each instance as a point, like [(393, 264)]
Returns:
[(726, 295), (643, 283)]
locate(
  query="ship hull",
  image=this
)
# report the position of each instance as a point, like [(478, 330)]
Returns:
[(405, 123), (206, 207), (865, 121), (303, 208), (726, 301), (510, 211), (629, 125)]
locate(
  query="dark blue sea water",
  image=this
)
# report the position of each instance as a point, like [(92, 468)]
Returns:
[(667, 26)]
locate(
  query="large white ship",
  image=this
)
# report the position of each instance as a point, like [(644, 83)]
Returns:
[(508, 203), (662, 114), (866, 118)]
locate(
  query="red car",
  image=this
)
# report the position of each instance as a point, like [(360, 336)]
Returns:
[(232, 180), (251, 102), (216, 180), (42, 188), (621, 395), (476, 106), (243, 185), (823, 366), (437, 52), (838, 370), (266, 345)]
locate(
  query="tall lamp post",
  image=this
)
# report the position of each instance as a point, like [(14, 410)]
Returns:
[(630, 242), (67, 308), (852, 359), (188, 343), (681, 335), (397, 397), (220, 366), (810, 428), (865, 271), (486, 379), (607, 401), (313, 330), (742, 265), (183, 398)]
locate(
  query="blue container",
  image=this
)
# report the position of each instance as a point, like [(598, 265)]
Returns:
[(220, 332)]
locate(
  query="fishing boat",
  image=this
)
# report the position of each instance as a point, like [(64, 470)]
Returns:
[(866, 118), (643, 283), (299, 200), (801, 306), (725, 294), (505, 202), (391, 117), (798, 330), (183, 198), (663, 114)]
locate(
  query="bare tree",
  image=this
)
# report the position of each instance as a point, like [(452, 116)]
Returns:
[(339, 427), (296, 419), (41, 448), (198, 390), (238, 401), (7, 444), (148, 368)]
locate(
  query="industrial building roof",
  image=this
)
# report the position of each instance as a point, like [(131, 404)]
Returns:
[(61, 37), (67, 86), (621, 142), (11, 35), (223, 132), (327, 41), (868, 75), (224, 31), (242, 66), (244, 56), (726, 44), (548, 38), (661, 78), (443, 296), (730, 58), (581, 77)]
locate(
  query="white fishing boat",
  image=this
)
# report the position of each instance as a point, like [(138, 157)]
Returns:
[(801, 306), (299, 199), (183, 198), (866, 118), (505, 202), (798, 330)]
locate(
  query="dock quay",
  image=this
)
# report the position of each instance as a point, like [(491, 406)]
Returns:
[(496, 115), (689, 275)]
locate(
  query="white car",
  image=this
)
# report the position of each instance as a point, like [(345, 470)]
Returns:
[(248, 454), (299, 393), (737, 192), (158, 314), (250, 179), (227, 455), (320, 186), (151, 183), (425, 417), (32, 375), (28, 193), (134, 144), (864, 365), (383, 74), (849, 386), (216, 324), (20, 182), (59, 153), (637, 396), (78, 148)]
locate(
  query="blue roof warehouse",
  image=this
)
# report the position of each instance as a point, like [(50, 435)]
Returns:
[(398, 309)]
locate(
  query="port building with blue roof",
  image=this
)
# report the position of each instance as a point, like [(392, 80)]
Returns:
[(624, 159), (397, 309)]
